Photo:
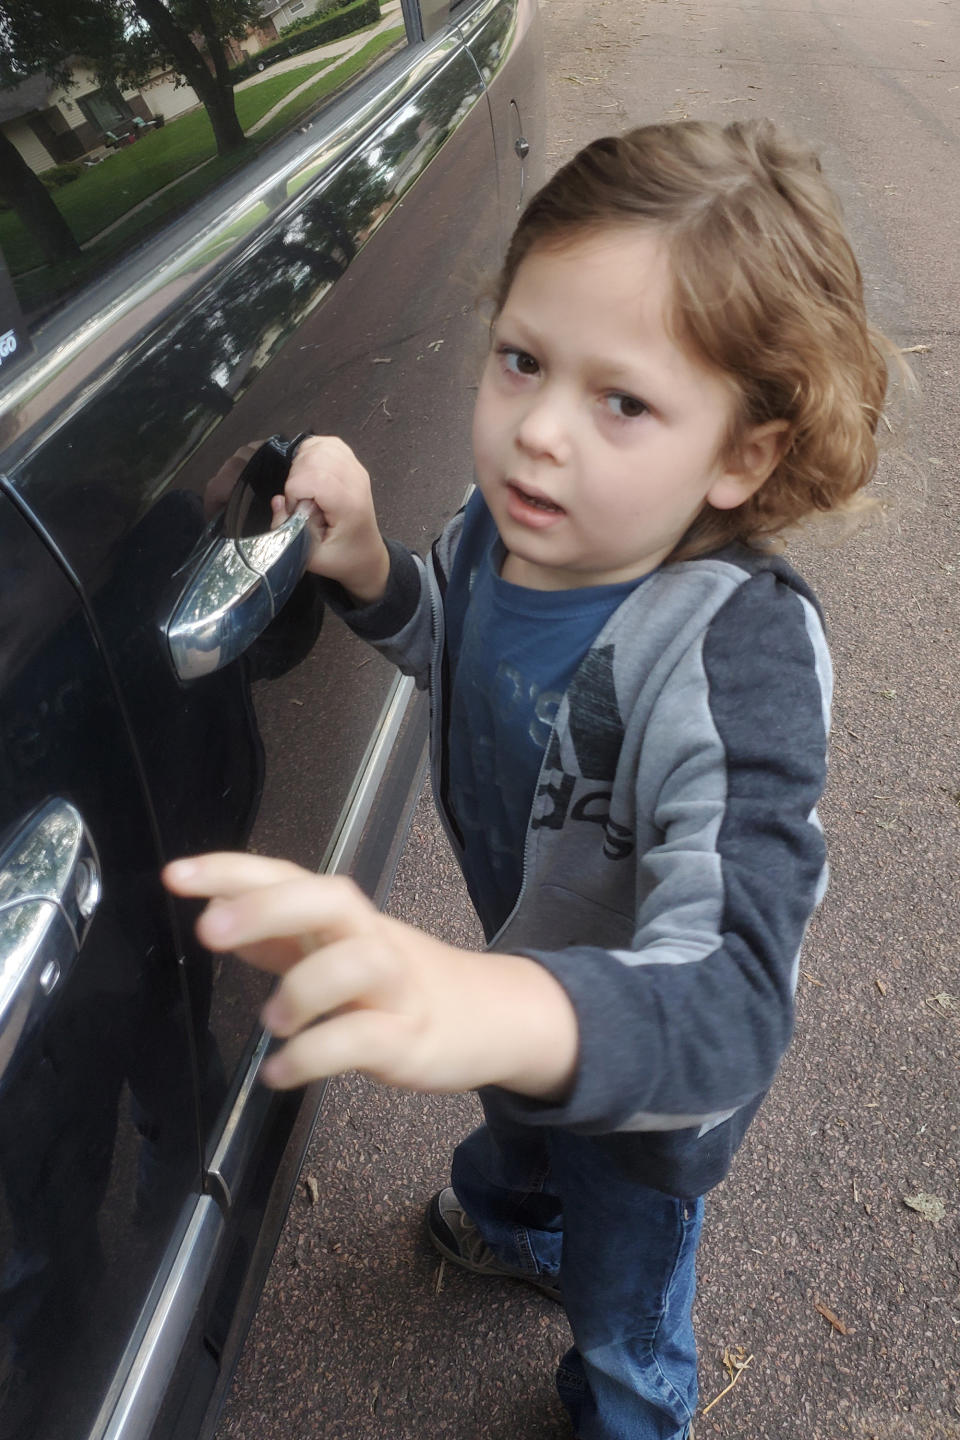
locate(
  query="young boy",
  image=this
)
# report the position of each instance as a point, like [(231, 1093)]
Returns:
[(629, 702)]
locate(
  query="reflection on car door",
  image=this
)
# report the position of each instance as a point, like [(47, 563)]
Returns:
[(349, 312), (99, 1157)]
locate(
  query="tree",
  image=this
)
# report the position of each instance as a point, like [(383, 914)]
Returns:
[(167, 32), (30, 198), (125, 40)]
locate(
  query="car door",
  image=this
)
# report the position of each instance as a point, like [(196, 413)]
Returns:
[(329, 283), (99, 1153)]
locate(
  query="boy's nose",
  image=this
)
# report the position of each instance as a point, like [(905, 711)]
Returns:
[(544, 429)]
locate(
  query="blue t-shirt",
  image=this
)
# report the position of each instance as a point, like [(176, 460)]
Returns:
[(512, 653)]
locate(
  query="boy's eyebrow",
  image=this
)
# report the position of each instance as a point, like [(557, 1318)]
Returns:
[(515, 324)]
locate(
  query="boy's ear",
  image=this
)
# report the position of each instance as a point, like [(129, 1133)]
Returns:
[(755, 460)]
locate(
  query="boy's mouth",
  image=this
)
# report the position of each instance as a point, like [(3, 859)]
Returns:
[(529, 506)]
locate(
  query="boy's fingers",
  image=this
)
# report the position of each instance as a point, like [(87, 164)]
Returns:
[(315, 909), (337, 975), (226, 873), (271, 912), (357, 1040), (275, 957)]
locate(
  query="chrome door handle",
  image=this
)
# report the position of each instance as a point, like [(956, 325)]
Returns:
[(239, 589), (49, 890)]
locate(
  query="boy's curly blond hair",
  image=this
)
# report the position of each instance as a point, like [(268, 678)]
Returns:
[(766, 289)]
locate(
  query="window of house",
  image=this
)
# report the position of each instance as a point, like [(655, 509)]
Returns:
[(105, 108)]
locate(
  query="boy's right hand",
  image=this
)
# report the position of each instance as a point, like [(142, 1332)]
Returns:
[(347, 544)]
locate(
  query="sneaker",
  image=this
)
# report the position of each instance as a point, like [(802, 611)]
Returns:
[(458, 1239)]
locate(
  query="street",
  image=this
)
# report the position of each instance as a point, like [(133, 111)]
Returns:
[(828, 1283)]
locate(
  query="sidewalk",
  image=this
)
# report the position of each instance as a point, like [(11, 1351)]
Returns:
[(390, 15)]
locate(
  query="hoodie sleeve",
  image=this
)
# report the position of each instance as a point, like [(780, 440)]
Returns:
[(400, 623), (689, 1023), (405, 622)]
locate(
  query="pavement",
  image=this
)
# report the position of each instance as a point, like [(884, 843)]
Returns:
[(822, 1265), (391, 16)]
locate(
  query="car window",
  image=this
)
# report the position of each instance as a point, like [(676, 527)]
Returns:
[(116, 118)]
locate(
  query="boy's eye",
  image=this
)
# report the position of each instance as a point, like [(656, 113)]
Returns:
[(626, 407), (518, 362)]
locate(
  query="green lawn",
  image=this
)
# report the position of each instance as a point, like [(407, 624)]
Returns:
[(130, 175), (336, 77)]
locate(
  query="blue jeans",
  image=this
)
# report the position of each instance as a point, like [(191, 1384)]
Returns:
[(549, 1202)]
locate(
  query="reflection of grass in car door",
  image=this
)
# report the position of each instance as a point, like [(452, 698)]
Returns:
[(331, 81), (130, 176), (127, 177), (260, 95)]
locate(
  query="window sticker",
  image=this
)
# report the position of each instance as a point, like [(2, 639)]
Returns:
[(15, 342)]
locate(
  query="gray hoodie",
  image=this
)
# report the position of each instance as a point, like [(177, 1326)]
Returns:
[(673, 855)]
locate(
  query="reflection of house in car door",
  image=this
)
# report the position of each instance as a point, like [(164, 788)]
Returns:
[(280, 13), (51, 124)]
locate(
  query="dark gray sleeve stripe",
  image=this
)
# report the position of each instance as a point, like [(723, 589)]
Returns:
[(771, 845), (388, 615)]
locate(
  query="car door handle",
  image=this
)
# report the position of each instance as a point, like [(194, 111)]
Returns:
[(239, 588), (49, 889)]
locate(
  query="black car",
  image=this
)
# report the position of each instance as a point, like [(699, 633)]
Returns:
[(168, 684)]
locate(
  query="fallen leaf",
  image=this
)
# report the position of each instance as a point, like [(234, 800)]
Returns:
[(880, 986), (312, 1189), (734, 1362), (828, 1314), (916, 350), (929, 1207), (813, 980)]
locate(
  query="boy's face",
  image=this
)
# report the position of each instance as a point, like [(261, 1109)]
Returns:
[(597, 439)]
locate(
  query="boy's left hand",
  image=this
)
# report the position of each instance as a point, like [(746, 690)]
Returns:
[(361, 991)]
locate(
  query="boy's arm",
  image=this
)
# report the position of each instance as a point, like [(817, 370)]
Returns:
[(361, 991)]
